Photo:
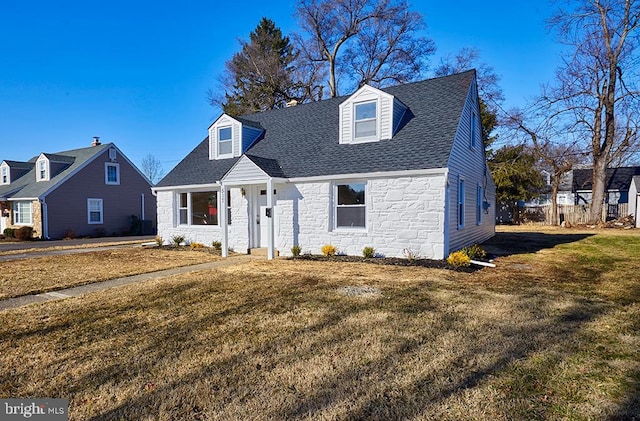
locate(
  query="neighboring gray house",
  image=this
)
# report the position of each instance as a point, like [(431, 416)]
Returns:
[(397, 169), (87, 191)]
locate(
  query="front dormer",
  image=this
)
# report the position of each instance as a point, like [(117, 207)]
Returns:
[(231, 137), (5, 174), (369, 115), (42, 168)]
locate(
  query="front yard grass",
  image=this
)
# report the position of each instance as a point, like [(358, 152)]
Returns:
[(42, 274), (548, 334)]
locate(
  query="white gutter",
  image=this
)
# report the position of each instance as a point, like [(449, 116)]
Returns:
[(378, 174), (184, 187)]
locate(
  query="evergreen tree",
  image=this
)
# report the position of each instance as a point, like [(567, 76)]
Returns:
[(260, 76)]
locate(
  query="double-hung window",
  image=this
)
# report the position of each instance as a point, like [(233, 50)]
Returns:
[(198, 208), (460, 203), (42, 170), (225, 143), (22, 213), (94, 211), (479, 205), (351, 209), (5, 175), (111, 173), (365, 121)]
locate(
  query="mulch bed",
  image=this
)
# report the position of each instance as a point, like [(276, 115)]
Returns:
[(393, 261)]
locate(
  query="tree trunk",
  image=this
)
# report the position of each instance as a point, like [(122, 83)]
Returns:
[(598, 191), (554, 199)]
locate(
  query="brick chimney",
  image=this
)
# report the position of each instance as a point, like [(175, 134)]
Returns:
[(96, 141)]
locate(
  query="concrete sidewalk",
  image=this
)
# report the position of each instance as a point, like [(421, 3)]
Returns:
[(11, 303)]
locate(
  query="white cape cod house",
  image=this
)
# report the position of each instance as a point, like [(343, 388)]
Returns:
[(398, 169)]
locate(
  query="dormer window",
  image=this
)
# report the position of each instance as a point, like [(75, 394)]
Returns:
[(225, 141), (4, 175), (42, 170), (365, 121)]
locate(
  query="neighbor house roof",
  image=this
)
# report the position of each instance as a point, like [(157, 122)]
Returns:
[(27, 187), (617, 178), (303, 140)]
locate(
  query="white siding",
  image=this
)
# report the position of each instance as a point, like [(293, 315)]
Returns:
[(236, 129), (245, 170), (402, 213), (385, 108), (386, 117), (469, 163)]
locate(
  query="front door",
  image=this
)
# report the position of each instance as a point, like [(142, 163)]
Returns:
[(259, 237)]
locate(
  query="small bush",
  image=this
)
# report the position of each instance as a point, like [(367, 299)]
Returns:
[(177, 239), (69, 235), (328, 250), (159, 241), (217, 245), (24, 233), (296, 250), (474, 252), (458, 260), (368, 252), (9, 232), (196, 246)]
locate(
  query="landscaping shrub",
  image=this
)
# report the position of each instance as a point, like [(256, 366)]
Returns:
[(177, 239), (410, 254), (368, 252), (9, 232), (69, 235), (328, 250), (459, 259), (24, 233), (296, 250), (196, 246), (217, 245), (474, 252), (159, 241)]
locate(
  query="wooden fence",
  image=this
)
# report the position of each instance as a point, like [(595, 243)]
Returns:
[(573, 214)]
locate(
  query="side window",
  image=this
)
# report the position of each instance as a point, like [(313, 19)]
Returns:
[(111, 173), (461, 203), (365, 120), (94, 211)]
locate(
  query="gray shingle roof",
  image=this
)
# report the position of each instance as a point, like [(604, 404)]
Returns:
[(617, 178), (302, 141), (27, 185)]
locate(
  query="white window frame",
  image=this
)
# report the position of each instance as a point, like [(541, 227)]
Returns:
[(112, 154), (189, 222), (461, 202), (42, 165), (89, 210), (479, 204), (106, 173), (376, 119), (218, 130), (16, 212), (336, 206), (5, 175)]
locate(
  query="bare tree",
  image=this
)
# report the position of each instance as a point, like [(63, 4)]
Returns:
[(151, 168), (375, 39), (597, 85)]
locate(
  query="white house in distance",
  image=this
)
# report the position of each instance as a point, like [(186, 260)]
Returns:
[(401, 168)]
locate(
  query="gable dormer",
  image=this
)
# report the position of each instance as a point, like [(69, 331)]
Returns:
[(369, 115), (231, 137), (43, 170), (5, 173)]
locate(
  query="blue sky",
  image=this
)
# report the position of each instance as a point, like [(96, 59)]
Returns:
[(136, 73)]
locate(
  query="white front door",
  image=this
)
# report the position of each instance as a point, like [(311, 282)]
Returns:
[(259, 226)]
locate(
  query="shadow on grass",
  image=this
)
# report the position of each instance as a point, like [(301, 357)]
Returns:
[(508, 243)]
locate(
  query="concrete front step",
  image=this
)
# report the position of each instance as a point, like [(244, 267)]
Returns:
[(261, 251)]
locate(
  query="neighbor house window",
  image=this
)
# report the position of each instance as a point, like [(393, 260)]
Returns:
[(111, 173), (94, 211), (42, 170), (22, 213), (225, 144), (479, 205), (365, 122), (350, 205), (460, 203), (5, 175), (198, 208)]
